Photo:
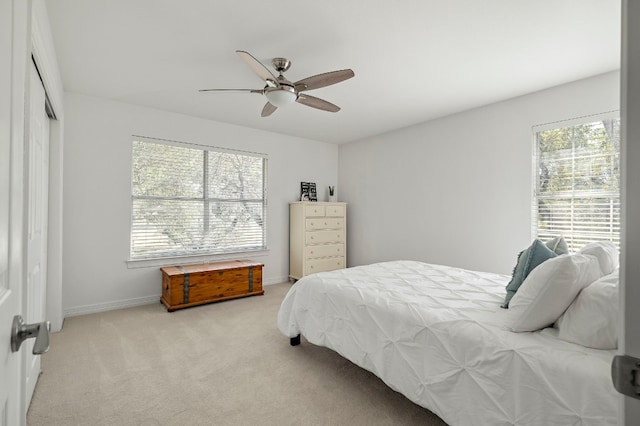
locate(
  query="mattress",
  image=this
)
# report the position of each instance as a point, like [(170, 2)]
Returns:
[(436, 334)]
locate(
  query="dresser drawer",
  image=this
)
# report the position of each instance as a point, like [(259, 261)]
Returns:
[(335, 211), (324, 237), (325, 250), (324, 223), (314, 211), (323, 265)]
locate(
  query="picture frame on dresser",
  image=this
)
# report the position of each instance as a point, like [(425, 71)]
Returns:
[(317, 237), (308, 191)]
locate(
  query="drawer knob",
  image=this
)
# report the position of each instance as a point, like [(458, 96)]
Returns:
[(311, 266), (311, 251)]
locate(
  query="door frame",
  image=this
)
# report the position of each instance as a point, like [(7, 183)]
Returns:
[(629, 344), (16, 59)]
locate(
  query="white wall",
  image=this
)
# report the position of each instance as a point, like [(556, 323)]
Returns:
[(457, 190), (454, 191), (97, 194)]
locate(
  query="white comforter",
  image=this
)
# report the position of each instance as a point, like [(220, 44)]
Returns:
[(435, 334)]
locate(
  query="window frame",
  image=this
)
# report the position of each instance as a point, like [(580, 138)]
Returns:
[(583, 120), (169, 258)]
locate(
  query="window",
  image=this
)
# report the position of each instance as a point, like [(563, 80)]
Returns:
[(577, 190), (191, 200)]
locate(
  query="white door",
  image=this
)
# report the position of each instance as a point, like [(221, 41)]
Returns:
[(630, 247), (11, 390), (37, 155)]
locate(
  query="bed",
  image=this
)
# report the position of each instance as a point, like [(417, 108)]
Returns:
[(437, 335)]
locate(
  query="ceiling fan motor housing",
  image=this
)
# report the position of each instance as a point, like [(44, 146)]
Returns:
[(281, 64)]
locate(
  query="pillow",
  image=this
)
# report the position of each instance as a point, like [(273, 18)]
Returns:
[(528, 259), (549, 290), (558, 245), (607, 254), (592, 319)]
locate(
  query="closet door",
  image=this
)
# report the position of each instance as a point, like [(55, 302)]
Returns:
[(37, 155)]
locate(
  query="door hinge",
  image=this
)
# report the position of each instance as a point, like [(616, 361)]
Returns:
[(625, 372)]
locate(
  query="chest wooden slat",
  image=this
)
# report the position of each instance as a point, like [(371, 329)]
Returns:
[(191, 285)]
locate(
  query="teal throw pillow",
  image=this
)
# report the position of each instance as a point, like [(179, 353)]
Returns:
[(558, 245), (528, 259)]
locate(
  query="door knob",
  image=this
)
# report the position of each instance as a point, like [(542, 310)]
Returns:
[(21, 332)]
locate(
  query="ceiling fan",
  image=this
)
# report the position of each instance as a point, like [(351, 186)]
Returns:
[(280, 92)]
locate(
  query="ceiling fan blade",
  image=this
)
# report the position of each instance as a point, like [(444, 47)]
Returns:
[(268, 109), (260, 91), (257, 67), (323, 80), (318, 103)]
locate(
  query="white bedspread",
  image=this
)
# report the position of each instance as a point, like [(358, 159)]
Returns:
[(435, 334)]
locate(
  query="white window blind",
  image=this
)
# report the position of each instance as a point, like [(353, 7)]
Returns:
[(190, 200), (577, 190)]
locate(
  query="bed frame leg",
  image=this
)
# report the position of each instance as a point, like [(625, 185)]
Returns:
[(294, 341)]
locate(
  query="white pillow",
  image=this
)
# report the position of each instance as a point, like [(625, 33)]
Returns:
[(607, 254), (549, 289), (592, 319)]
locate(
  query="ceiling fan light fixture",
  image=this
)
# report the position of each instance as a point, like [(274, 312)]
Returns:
[(281, 97)]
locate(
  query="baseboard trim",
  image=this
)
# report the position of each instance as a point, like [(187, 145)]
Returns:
[(139, 301), (110, 306), (278, 280)]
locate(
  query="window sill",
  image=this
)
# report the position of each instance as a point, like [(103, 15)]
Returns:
[(186, 260)]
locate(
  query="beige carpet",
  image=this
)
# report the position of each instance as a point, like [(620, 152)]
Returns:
[(219, 364)]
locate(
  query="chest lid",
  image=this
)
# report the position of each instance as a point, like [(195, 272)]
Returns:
[(208, 267)]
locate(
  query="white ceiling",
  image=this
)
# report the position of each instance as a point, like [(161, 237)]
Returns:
[(414, 60)]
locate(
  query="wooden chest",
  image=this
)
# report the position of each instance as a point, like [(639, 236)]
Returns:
[(191, 285)]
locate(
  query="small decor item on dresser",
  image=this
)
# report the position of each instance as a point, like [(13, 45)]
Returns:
[(308, 189), (332, 193)]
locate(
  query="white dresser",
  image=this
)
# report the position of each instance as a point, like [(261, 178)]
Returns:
[(317, 237)]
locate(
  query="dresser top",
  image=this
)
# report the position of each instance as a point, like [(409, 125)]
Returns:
[(314, 203)]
